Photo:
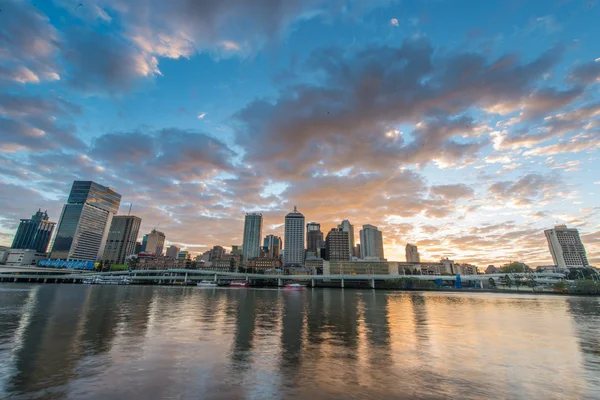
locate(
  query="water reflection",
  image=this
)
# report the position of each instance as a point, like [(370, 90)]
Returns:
[(75, 341)]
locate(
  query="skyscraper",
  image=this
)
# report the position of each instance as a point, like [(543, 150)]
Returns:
[(412, 254), (34, 233), (313, 237), (294, 239), (173, 251), (371, 242), (155, 243), (566, 247), (85, 221), (272, 244), (252, 236), (121, 239), (337, 245), (144, 243), (346, 226)]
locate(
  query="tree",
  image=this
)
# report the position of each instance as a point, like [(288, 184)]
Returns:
[(515, 267), (506, 281), (560, 286), (518, 281), (133, 263), (231, 264), (587, 286), (415, 272), (407, 271)]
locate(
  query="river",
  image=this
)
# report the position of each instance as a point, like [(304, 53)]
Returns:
[(153, 342)]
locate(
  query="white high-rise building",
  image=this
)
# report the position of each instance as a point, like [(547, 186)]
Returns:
[(371, 242), (412, 254), (294, 239), (566, 247), (252, 236), (155, 243), (85, 221), (346, 226)]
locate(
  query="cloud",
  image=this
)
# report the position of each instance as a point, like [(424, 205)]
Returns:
[(166, 154), (394, 22), (360, 95), (587, 73), (201, 115), (526, 190), (30, 44), (31, 123), (455, 191), (106, 63), (181, 28), (579, 120), (579, 143)]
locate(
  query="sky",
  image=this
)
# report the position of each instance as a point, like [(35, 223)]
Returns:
[(465, 127)]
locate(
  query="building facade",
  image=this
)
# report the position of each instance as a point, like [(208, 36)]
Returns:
[(346, 226), (252, 236), (357, 250), (337, 245), (566, 247), (359, 268), (263, 264), (85, 221), (24, 257), (172, 251), (121, 240), (184, 255), (216, 253), (272, 245), (371, 242), (412, 253), (155, 243), (314, 237), (294, 239), (34, 233)]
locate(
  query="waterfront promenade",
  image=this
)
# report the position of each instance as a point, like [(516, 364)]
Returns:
[(185, 276)]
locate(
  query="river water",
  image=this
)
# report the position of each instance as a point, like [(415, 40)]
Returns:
[(150, 342)]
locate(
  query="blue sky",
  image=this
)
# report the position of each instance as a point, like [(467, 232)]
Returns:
[(466, 127)]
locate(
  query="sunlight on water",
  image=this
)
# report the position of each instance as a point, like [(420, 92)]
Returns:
[(94, 342)]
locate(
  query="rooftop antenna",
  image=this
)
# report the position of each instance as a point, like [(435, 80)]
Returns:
[(130, 205), (295, 209)]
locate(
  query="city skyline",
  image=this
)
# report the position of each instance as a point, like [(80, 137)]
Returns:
[(465, 133)]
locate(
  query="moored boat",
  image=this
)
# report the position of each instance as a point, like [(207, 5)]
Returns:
[(239, 284), (294, 286), (207, 283)]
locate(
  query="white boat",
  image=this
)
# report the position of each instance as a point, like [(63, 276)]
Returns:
[(207, 283), (294, 286), (108, 281)]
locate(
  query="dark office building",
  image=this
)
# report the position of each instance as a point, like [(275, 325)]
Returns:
[(34, 233), (314, 237), (122, 236), (337, 245)]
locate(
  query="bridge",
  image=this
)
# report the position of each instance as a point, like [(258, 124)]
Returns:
[(185, 276)]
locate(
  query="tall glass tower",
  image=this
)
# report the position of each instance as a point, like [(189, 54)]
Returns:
[(252, 236), (85, 221), (34, 233)]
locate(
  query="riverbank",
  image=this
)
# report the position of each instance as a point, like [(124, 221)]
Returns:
[(52, 281)]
